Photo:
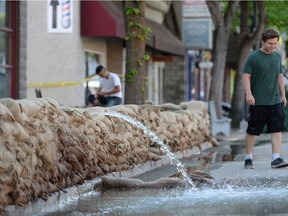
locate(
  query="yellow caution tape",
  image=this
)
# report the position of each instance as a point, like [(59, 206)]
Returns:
[(60, 84)]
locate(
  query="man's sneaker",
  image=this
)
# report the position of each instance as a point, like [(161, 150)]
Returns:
[(278, 163), (248, 164)]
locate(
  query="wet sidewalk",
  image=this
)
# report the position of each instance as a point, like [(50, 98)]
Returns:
[(262, 157), (259, 198), (223, 170), (262, 175)]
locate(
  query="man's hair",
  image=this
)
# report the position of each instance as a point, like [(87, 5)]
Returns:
[(99, 69), (269, 34)]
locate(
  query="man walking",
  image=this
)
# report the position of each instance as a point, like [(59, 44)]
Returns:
[(265, 94)]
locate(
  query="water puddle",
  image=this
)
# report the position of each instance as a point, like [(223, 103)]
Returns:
[(228, 200), (259, 197)]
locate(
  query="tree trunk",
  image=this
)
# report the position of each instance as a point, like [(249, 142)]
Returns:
[(135, 74), (222, 23), (236, 112), (247, 40), (218, 70)]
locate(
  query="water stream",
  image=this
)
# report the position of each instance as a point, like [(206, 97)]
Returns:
[(155, 138), (241, 201), (266, 195)]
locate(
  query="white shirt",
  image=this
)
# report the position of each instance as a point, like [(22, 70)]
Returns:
[(109, 84)]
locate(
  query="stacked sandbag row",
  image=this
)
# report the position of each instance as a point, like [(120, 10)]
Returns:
[(29, 149), (180, 127), (45, 147)]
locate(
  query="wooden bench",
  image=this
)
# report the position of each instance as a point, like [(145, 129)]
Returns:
[(222, 125)]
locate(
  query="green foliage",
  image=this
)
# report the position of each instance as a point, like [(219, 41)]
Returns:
[(138, 25), (140, 36), (145, 34), (142, 90), (137, 31), (147, 29), (224, 6), (131, 75), (237, 15), (127, 37), (140, 62), (130, 24), (277, 12), (132, 11), (146, 57)]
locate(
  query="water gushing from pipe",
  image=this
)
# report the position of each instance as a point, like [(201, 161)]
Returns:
[(155, 138)]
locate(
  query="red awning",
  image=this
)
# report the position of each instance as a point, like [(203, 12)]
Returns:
[(101, 18), (105, 19)]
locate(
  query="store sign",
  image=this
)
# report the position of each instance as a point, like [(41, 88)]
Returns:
[(60, 16), (197, 33), (195, 8)]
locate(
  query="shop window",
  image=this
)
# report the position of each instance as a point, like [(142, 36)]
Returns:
[(92, 60), (8, 81), (4, 82)]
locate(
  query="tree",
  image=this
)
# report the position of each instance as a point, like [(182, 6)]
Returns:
[(247, 38), (136, 34), (277, 14), (222, 19)]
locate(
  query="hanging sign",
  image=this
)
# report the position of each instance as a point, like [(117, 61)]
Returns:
[(60, 16), (197, 33)]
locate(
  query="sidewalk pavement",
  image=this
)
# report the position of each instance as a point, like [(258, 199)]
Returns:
[(262, 174), (262, 157)]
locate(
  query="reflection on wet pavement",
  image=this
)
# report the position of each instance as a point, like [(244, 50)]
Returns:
[(223, 201), (258, 196)]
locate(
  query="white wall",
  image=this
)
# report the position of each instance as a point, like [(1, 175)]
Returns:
[(156, 10), (54, 57)]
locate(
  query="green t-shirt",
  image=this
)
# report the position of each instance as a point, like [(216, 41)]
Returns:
[(264, 70)]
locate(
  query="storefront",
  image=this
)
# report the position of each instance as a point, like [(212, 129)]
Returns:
[(55, 46), (8, 49)]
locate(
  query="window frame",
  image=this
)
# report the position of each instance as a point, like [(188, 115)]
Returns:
[(11, 64)]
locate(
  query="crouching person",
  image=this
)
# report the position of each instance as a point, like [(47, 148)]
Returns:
[(110, 91)]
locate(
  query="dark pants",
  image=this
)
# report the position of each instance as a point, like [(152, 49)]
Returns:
[(271, 115), (105, 101), (109, 101)]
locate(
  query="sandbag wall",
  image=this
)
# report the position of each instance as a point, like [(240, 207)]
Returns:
[(45, 147)]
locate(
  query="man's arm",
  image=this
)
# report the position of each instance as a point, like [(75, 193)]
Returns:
[(247, 86), (115, 90), (98, 91), (282, 89)]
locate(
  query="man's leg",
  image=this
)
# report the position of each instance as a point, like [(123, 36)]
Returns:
[(276, 123), (112, 101), (276, 140), (277, 161), (102, 100), (250, 139)]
